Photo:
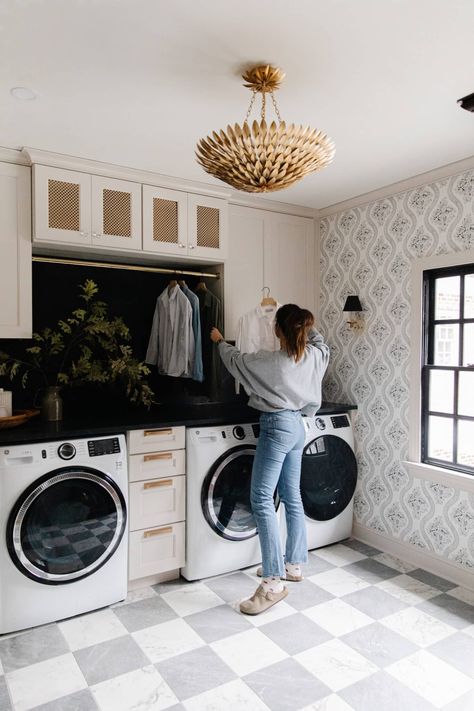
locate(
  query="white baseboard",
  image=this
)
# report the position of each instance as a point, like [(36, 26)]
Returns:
[(153, 580), (415, 556)]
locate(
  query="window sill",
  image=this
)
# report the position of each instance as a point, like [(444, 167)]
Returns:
[(448, 477)]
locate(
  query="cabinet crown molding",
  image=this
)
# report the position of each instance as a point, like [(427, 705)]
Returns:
[(110, 170)]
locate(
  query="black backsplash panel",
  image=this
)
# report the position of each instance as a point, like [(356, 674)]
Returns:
[(132, 296)]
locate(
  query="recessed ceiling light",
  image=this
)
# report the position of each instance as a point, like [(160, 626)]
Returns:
[(23, 93)]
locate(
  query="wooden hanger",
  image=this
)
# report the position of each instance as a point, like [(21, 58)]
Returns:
[(182, 283), (201, 286), (268, 300), (171, 285)]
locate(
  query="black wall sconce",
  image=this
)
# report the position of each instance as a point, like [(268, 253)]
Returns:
[(467, 102), (353, 306)]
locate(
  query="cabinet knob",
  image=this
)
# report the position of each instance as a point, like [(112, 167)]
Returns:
[(182, 245), (84, 234), (191, 246), (96, 234)]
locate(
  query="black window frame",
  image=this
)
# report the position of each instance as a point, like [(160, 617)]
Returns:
[(429, 324)]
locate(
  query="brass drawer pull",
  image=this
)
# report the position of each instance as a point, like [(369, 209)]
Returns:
[(156, 457), (155, 484), (163, 431), (158, 532)]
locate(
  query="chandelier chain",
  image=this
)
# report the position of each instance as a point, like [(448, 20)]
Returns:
[(252, 101), (264, 101), (275, 106)]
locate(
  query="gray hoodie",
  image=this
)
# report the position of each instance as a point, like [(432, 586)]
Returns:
[(274, 381)]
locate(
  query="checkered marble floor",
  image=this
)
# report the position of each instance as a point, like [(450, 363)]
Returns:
[(363, 631)]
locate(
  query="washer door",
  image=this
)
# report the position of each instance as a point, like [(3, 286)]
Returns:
[(225, 494), (66, 525), (328, 477)]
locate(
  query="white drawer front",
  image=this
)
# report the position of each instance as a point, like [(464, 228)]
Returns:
[(156, 550), (157, 502), (157, 465), (156, 439)]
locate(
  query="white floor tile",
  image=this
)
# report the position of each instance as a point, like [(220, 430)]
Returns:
[(336, 664), (337, 617), (234, 696), (136, 596), (338, 582), (393, 562), (93, 628), (277, 612), (329, 703), (407, 589), (430, 677), (248, 651), (463, 594), (417, 626), (167, 640), (43, 682), (142, 689), (469, 630), (339, 555), (191, 599)]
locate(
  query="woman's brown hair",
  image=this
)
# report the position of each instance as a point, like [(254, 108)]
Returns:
[(294, 324)]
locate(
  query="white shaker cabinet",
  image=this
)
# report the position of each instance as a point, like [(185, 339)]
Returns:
[(268, 249), (165, 221), (207, 227), (15, 252), (80, 209)]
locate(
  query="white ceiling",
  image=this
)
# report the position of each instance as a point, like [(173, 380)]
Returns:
[(137, 82)]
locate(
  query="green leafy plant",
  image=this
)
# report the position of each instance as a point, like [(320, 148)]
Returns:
[(88, 347)]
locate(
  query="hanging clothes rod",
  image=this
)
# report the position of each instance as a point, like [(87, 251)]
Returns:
[(127, 267)]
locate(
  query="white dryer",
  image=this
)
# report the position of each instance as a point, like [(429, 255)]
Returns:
[(63, 519), (221, 535), (328, 479)]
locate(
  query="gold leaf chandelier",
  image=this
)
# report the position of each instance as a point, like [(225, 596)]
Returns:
[(263, 158)]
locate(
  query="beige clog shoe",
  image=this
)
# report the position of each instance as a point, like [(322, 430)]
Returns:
[(261, 601)]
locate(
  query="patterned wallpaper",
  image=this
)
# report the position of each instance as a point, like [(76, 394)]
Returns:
[(368, 251)]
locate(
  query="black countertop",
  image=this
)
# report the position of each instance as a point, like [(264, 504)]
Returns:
[(37, 430)]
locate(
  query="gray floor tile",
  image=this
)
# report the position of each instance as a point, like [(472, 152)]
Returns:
[(217, 623), (379, 644), (315, 565), (33, 646), (286, 686), (306, 594), (374, 602), (109, 659), (295, 633), (450, 610), (463, 703), (457, 650), (360, 547), (145, 613), (232, 587), (382, 691), (5, 704), (80, 701), (371, 570), (171, 585), (193, 673), (434, 580)]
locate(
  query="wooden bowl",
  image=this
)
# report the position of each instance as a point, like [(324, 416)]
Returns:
[(19, 418)]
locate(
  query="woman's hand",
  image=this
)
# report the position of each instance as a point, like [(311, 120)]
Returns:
[(216, 335)]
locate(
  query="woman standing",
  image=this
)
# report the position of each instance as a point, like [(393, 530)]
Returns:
[(283, 385)]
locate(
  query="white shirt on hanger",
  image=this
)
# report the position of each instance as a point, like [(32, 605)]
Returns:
[(256, 331)]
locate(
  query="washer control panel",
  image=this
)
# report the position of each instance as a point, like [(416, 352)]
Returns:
[(66, 451), (99, 447)]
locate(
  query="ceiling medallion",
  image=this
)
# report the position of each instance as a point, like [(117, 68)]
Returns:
[(262, 158)]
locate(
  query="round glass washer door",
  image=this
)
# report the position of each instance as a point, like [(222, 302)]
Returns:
[(66, 525), (328, 477), (225, 495)]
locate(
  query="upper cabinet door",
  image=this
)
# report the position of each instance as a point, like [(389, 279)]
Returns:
[(289, 259), (207, 227), (164, 220), (62, 205), (15, 252), (116, 213)]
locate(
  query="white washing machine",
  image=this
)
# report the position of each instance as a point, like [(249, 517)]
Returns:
[(221, 535), (63, 519)]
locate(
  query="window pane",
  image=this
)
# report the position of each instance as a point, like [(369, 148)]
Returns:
[(446, 350), (447, 297), (468, 344), (441, 391), (466, 394), (440, 438), (466, 443), (469, 296)]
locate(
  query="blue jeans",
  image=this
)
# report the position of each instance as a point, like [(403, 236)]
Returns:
[(277, 466)]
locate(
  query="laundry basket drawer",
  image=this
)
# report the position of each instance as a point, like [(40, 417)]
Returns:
[(157, 465), (157, 502), (155, 439), (156, 550)]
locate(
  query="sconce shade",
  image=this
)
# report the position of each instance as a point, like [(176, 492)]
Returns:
[(352, 304)]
